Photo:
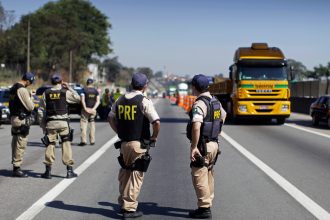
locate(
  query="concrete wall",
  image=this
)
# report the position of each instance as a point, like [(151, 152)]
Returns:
[(301, 105)]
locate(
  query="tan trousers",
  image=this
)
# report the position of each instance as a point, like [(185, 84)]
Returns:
[(18, 142), (130, 182), (84, 124), (18, 146), (66, 147), (203, 179)]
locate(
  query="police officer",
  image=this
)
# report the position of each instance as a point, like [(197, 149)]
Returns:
[(20, 106), (130, 118), (206, 119), (117, 94), (54, 117), (90, 100)]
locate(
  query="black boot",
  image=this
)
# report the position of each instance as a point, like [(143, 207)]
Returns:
[(132, 214), (47, 174), (17, 172), (201, 213), (70, 173)]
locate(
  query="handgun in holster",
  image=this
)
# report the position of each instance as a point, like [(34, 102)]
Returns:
[(117, 144)]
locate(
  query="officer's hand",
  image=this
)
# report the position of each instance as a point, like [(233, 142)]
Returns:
[(65, 85), (194, 152)]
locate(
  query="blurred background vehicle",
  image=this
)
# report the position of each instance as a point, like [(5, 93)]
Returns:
[(320, 110)]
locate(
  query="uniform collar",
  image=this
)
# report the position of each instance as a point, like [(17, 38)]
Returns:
[(57, 86), (208, 94), (137, 92)]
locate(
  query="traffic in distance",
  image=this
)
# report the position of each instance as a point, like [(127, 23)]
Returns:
[(230, 119)]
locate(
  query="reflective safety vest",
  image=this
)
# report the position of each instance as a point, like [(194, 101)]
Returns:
[(90, 96), (132, 124), (212, 123), (16, 107), (56, 102), (116, 95)]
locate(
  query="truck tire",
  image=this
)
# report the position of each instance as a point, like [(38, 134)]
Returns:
[(329, 122), (315, 120), (280, 121)]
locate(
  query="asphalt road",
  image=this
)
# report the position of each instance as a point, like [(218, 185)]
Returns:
[(242, 191)]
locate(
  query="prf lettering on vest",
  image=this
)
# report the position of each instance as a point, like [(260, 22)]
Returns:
[(217, 114), (55, 95), (91, 96), (127, 111)]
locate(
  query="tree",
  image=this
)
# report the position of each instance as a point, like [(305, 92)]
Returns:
[(57, 29), (320, 71), (299, 71), (111, 68), (145, 70), (159, 74)]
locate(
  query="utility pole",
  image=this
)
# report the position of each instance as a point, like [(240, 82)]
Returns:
[(28, 48), (70, 71)]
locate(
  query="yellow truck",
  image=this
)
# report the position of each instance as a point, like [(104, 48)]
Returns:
[(257, 87)]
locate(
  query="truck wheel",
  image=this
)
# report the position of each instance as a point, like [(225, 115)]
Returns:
[(315, 120), (280, 121), (329, 122)]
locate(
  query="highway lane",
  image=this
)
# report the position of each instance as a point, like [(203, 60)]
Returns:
[(242, 190)]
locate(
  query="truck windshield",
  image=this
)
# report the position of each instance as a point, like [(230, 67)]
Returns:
[(262, 73)]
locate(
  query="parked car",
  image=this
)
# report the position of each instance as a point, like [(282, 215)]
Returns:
[(4, 103), (320, 110)]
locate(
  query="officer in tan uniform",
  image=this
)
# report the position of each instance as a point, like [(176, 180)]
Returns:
[(206, 119), (20, 106), (130, 118), (90, 100), (54, 118)]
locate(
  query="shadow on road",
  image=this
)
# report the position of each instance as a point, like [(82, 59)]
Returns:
[(30, 173), (83, 209), (152, 208)]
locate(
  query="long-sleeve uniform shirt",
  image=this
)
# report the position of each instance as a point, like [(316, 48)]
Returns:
[(71, 97)]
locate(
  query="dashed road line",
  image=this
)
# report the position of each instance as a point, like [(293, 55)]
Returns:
[(298, 195)]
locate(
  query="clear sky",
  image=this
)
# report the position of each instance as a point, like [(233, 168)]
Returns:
[(201, 36)]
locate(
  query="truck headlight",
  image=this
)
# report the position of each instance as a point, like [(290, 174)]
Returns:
[(242, 108), (285, 108)]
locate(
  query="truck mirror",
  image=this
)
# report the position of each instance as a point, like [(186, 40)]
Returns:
[(290, 75)]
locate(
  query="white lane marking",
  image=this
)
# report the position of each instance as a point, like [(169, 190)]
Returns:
[(307, 130), (298, 195), (31, 212)]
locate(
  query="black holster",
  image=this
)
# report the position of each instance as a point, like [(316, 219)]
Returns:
[(71, 132), (22, 130), (45, 140), (141, 164), (199, 162), (117, 144)]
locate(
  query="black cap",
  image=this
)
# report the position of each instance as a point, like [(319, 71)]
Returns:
[(56, 78), (139, 80), (28, 77), (200, 82), (89, 81)]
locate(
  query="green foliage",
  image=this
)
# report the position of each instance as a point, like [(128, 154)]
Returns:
[(298, 70), (56, 29), (145, 70)]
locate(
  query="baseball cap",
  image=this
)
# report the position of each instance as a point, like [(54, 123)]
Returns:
[(200, 81), (89, 81), (29, 77), (139, 80), (56, 78)]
